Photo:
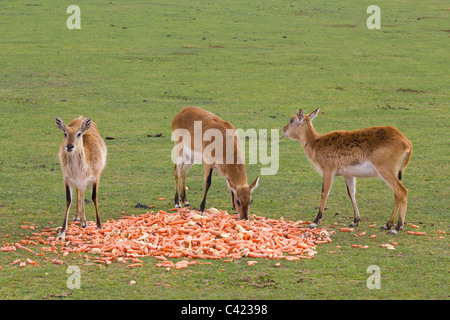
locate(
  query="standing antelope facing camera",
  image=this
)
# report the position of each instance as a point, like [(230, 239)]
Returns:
[(196, 127), (376, 151), (83, 157)]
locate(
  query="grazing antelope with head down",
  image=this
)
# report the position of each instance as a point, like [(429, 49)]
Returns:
[(192, 123), (370, 152), (83, 157)]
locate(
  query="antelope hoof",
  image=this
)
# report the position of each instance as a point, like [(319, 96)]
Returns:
[(312, 225), (186, 204), (386, 227), (353, 224), (76, 219), (177, 205), (60, 238)]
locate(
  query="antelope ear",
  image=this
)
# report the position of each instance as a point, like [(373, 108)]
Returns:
[(60, 124), (254, 184), (300, 115), (231, 186), (313, 114), (86, 125)]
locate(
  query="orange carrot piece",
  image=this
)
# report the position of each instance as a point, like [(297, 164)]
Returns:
[(7, 249), (133, 265), (19, 246)]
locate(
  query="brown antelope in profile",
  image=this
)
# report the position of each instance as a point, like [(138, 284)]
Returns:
[(370, 152), (83, 157), (195, 126)]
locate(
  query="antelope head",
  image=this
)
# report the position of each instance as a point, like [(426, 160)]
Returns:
[(242, 197), (73, 136), (292, 129)]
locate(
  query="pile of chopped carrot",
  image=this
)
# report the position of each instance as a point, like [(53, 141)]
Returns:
[(180, 233)]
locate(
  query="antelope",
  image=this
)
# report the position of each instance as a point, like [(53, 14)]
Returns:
[(188, 124), (83, 157), (375, 151)]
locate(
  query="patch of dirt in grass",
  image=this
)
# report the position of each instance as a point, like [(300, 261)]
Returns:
[(261, 281), (409, 90), (58, 295), (257, 282)]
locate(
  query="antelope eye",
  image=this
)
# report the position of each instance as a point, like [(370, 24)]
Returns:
[(78, 134), (65, 134), (292, 121)]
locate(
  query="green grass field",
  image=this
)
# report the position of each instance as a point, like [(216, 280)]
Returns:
[(134, 64)]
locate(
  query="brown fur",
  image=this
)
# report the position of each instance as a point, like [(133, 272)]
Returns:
[(235, 173), (82, 165), (374, 151)]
